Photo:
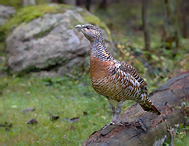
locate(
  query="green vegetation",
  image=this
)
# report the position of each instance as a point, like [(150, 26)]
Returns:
[(179, 136), (18, 3), (2, 57), (66, 97), (14, 3), (43, 33)]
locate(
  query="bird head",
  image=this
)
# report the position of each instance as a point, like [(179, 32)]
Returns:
[(90, 31)]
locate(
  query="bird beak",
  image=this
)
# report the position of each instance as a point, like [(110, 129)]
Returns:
[(79, 26)]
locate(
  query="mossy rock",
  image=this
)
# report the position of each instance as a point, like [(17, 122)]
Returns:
[(44, 37), (27, 14)]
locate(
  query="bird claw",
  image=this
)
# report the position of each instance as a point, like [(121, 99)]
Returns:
[(111, 123), (141, 124), (107, 129), (114, 124), (120, 124)]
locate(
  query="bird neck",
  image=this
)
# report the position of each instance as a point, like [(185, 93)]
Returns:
[(98, 49)]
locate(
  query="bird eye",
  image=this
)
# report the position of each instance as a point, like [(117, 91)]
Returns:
[(87, 27)]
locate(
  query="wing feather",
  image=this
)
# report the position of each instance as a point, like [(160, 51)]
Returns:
[(127, 68)]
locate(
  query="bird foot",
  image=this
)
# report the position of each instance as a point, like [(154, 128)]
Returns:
[(108, 125), (108, 128), (140, 124), (120, 123), (113, 124)]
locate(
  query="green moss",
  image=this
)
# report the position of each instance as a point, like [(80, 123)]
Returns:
[(25, 15), (3, 57), (14, 3), (44, 33), (2, 47), (95, 21), (18, 3)]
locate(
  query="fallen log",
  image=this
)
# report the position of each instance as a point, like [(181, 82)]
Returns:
[(144, 128)]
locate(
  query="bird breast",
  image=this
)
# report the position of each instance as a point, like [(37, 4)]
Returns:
[(117, 85)]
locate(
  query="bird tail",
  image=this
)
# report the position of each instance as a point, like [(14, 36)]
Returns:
[(148, 106)]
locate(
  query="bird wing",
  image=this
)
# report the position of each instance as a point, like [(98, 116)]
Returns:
[(146, 104), (127, 72), (125, 67)]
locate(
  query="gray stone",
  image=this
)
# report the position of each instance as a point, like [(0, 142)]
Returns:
[(51, 43), (5, 13)]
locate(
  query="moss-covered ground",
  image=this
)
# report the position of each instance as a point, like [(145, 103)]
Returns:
[(81, 111)]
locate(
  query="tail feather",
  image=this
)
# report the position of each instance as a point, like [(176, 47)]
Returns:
[(148, 106)]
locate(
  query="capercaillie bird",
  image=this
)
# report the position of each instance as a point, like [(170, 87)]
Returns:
[(117, 81)]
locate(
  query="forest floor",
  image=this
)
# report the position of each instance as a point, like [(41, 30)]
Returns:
[(68, 110)]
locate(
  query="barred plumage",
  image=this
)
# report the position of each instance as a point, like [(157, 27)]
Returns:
[(118, 81)]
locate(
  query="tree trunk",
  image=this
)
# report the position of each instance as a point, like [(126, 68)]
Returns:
[(145, 24), (88, 4), (57, 1), (103, 4), (184, 17), (171, 25), (144, 128), (70, 2)]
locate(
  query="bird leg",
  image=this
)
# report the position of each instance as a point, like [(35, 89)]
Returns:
[(117, 113), (116, 110)]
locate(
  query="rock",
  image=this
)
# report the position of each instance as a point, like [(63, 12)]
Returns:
[(5, 13), (75, 119), (28, 109), (7, 126), (54, 117), (31, 121), (51, 43)]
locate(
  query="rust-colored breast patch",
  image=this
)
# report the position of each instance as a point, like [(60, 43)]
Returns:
[(98, 68)]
